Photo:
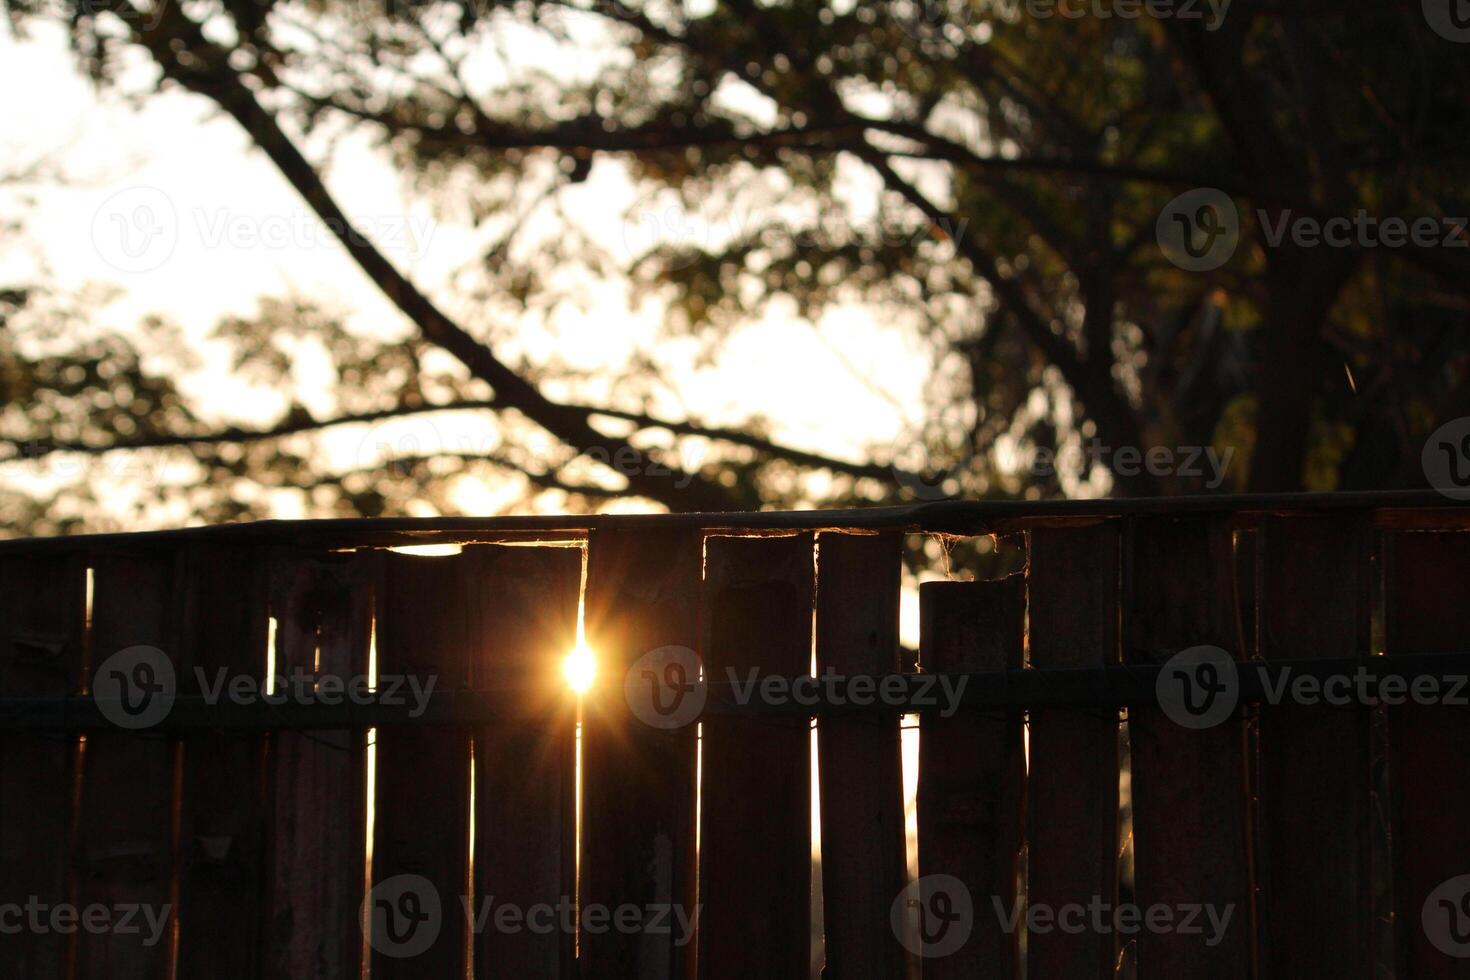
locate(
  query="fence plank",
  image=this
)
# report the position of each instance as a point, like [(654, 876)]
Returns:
[(755, 812), (317, 782), (1317, 913), (639, 782), (127, 827), (1072, 793), (41, 616), (425, 611), (861, 769), (971, 779), (525, 768), (1189, 787), (222, 810), (1426, 612)]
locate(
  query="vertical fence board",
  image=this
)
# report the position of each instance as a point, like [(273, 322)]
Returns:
[(222, 810), (1072, 793), (1189, 786), (317, 781), (1317, 914), (860, 766), (972, 773), (638, 781), (41, 617), (755, 816), (525, 767), (1426, 612), (127, 826), (425, 611)]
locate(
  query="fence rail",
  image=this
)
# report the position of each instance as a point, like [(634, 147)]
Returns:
[(1213, 737)]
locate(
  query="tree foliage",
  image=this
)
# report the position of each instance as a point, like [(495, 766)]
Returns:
[(987, 177)]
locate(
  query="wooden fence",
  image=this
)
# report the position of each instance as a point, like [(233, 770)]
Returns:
[(496, 825)]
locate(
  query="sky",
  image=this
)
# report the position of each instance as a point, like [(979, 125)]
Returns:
[(165, 201)]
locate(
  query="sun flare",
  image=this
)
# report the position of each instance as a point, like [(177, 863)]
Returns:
[(580, 668)]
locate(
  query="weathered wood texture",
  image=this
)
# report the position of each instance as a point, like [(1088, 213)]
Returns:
[(427, 609), (1189, 785), (525, 767), (42, 608), (638, 830), (1426, 612), (222, 806), (859, 763), (1072, 792), (128, 824), (317, 782), (755, 818), (1317, 910), (972, 773)]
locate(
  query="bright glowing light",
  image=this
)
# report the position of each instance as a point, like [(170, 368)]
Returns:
[(580, 668), (428, 550)]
